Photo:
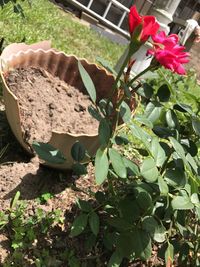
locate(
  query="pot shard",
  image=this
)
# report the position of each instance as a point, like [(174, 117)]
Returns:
[(66, 68)]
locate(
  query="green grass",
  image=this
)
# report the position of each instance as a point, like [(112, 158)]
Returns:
[(46, 21)]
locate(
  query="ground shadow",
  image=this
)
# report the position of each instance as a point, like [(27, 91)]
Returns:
[(45, 180), (10, 149), (22, 172)]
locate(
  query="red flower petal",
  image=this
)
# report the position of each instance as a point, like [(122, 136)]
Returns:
[(149, 23)]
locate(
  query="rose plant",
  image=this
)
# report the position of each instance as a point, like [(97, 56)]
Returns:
[(151, 201)]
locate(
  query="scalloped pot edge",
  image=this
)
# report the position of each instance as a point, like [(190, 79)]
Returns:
[(63, 66)]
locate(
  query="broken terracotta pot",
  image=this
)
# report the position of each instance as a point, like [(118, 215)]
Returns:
[(66, 68)]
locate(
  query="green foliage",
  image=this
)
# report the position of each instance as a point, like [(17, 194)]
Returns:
[(101, 159), (17, 8), (79, 225), (152, 201), (27, 232), (78, 152), (44, 198), (88, 83), (48, 153), (67, 34), (141, 201)]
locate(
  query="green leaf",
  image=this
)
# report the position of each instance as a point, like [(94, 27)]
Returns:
[(115, 260), (175, 177), (169, 255), (166, 148), (164, 93), (192, 163), (15, 200), (144, 200), (94, 113), (141, 135), (104, 132), (101, 166), (78, 151), (149, 170), (164, 190), (88, 83), (149, 224), (79, 169), (125, 112), (105, 64), (182, 203), (183, 108), (160, 234), (196, 125), (144, 120), (94, 223), (100, 197), (129, 210), (48, 153), (45, 197), (106, 106), (117, 163), (178, 148), (157, 232), (198, 212), (109, 239), (190, 146), (121, 140), (157, 152), (84, 205), (163, 132), (153, 111), (90, 242), (119, 223), (195, 199), (172, 120), (122, 241), (146, 91), (132, 168), (136, 242), (79, 225)]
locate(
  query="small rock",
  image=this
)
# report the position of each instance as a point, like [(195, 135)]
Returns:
[(69, 94), (52, 106), (79, 108), (58, 89)]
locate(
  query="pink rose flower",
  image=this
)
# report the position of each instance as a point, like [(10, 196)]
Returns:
[(169, 53), (150, 25)]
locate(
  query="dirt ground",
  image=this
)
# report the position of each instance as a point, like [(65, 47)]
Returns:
[(19, 172)]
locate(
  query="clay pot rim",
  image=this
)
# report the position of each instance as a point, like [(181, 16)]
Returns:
[(4, 69), (54, 51)]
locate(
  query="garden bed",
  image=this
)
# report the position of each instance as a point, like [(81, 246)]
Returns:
[(19, 172)]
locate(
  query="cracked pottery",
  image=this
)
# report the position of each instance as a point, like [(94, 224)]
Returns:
[(60, 65)]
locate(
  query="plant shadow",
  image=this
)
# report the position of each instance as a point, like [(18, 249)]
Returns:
[(10, 149), (33, 185), (21, 172)]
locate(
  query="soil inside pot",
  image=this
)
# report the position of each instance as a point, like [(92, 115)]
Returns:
[(48, 104)]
